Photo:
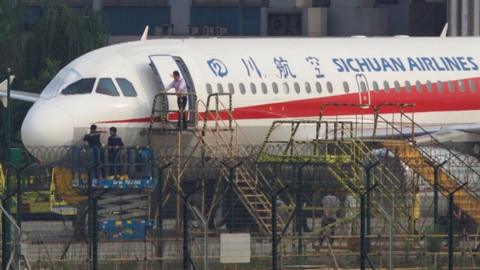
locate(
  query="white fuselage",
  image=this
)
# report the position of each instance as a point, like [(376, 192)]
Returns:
[(277, 78)]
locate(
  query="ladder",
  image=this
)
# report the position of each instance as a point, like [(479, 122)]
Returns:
[(422, 160), (219, 140)]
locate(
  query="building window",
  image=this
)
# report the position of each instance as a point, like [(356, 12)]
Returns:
[(329, 87), (429, 87), (308, 88), (398, 88), (286, 89), (275, 88), (318, 85), (209, 89), (346, 88), (375, 87), (408, 86), (386, 86), (264, 88), (242, 88), (231, 88), (419, 86), (253, 88), (220, 88)]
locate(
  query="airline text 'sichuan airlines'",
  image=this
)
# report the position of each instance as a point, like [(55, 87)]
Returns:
[(278, 78)]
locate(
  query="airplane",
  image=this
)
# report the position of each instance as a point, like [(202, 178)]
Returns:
[(269, 79)]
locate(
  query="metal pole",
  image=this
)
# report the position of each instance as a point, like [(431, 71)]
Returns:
[(274, 232), (92, 205), (231, 198), (362, 232), (185, 234), (450, 231), (160, 207), (436, 170), (436, 187), (299, 208), (273, 201), (205, 236), (368, 166), (6, 230), (450, 225)]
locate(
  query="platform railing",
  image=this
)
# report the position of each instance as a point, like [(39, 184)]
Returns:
[(456, 167)]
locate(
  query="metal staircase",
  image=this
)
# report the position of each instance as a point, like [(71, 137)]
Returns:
[(336, 146), (218, 139), (213, 135), (422, 159)]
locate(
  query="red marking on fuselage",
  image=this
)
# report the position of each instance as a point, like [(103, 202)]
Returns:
[(429, 99)]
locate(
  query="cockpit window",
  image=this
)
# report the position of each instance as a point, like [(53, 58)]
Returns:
[(127, 87), (65, 77), (83, 86), (105, 86)]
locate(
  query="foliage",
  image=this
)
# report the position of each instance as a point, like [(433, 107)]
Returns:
[(10, 38), (61, 35)]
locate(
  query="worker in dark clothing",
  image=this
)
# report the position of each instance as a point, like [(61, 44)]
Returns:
[(93, 140), (114, 152), (182, 91)]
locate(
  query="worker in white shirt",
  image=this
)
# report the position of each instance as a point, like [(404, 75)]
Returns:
[(181, 90)]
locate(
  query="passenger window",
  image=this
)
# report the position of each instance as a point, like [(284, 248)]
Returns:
[(440, 86), (264, 88), (386, 86), (253, 88), (363, 86), (419, 86), (461, 85), (220, 88), (397, 86), (318, 85), (126, 87), (375, 87), (408, 86), (209, 89), (451, 86), (83, 86), (231, 88), (286, 89), (242, 89), (105, 86), (472, 85), (297, 87), (346, 87), (329, 87), (308, 88), (429, 87), (275, 88)]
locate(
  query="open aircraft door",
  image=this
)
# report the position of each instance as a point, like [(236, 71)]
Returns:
[(163, 66), (364, 98)]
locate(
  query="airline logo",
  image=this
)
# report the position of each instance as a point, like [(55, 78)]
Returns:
[(397, 64)]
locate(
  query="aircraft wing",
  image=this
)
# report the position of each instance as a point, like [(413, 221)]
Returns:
[(18, 95)]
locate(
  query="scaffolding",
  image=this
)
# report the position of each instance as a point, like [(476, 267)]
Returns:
[(158, 206)]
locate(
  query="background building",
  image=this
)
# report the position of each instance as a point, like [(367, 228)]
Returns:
[(128, 18)]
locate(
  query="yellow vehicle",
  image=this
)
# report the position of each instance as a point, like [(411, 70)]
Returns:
[(39, 192)]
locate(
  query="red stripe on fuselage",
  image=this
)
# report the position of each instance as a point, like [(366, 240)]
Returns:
[(425, 101)]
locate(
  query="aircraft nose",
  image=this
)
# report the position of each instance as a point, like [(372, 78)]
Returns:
[(46, 125)]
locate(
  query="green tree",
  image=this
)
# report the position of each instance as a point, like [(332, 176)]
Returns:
[(61, 35), (10, 35)]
